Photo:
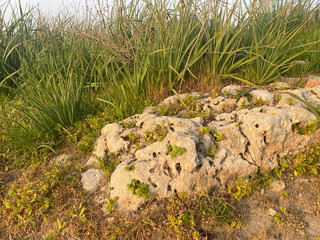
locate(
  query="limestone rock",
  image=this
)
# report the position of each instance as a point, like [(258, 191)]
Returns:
[(267, 130), (62, 159), (264, 95), (243, 102), (171, 154), (292, 81), (312, 81), (277, 186), (231, 89), (233, 139), (271, 212), (315, 90), (300, 115), (91, 179)]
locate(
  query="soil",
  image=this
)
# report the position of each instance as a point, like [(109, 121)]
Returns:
[(296, 209)]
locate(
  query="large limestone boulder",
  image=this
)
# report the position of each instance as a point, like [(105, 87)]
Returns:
[(171, 154)]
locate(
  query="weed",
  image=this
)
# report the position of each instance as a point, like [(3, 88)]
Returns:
[(129, 168), (111, 203), (290, 101), (284, 195), (305, 130), (157, 134), (128, 124), (109, 163), (212, 150), (243, 93), (175, 150), (138, 188)]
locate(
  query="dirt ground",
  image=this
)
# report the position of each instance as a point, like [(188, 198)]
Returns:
[(289, 210)]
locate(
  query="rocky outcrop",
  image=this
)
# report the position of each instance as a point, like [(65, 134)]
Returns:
[(213, 142)]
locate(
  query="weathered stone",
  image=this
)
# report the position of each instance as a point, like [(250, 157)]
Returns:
[(312, 81), (271, 212), (231, 90), (264, 95), (189, 157), (91, 179), (266, 130), (62, 159), (233, 139), (175, 99), (300, 115), (243, 102), (277, 186), (315, 90), (234, 167)]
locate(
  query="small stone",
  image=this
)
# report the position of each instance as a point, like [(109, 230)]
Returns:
[(111, 219), (231, 90), (262, 191), (277, 186), (312, 81), (271, 212), (62, 159), (243, 102), (91, 179), (264, 95)]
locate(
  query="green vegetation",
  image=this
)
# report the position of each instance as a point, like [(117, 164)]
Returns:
[(109, 163), (140, 189), (175, 150), (62, 79), (308, 129), (111, 203), (157, 134)]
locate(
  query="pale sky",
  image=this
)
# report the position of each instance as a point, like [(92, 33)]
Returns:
[(51, 7)]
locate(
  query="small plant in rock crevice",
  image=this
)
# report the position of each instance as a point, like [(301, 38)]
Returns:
[(157, 134), (216, 136), (305, 130), (129, 168), (109, 163), (242, 93), (290, 101), (174, 150), (128, 124), (139, 189), (212, 150)]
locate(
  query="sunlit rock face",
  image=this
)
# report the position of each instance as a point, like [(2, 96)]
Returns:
[(207, 143)]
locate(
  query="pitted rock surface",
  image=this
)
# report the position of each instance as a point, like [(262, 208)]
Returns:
[(252, 138)]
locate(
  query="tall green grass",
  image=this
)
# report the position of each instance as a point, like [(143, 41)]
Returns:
[(58, 70)]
